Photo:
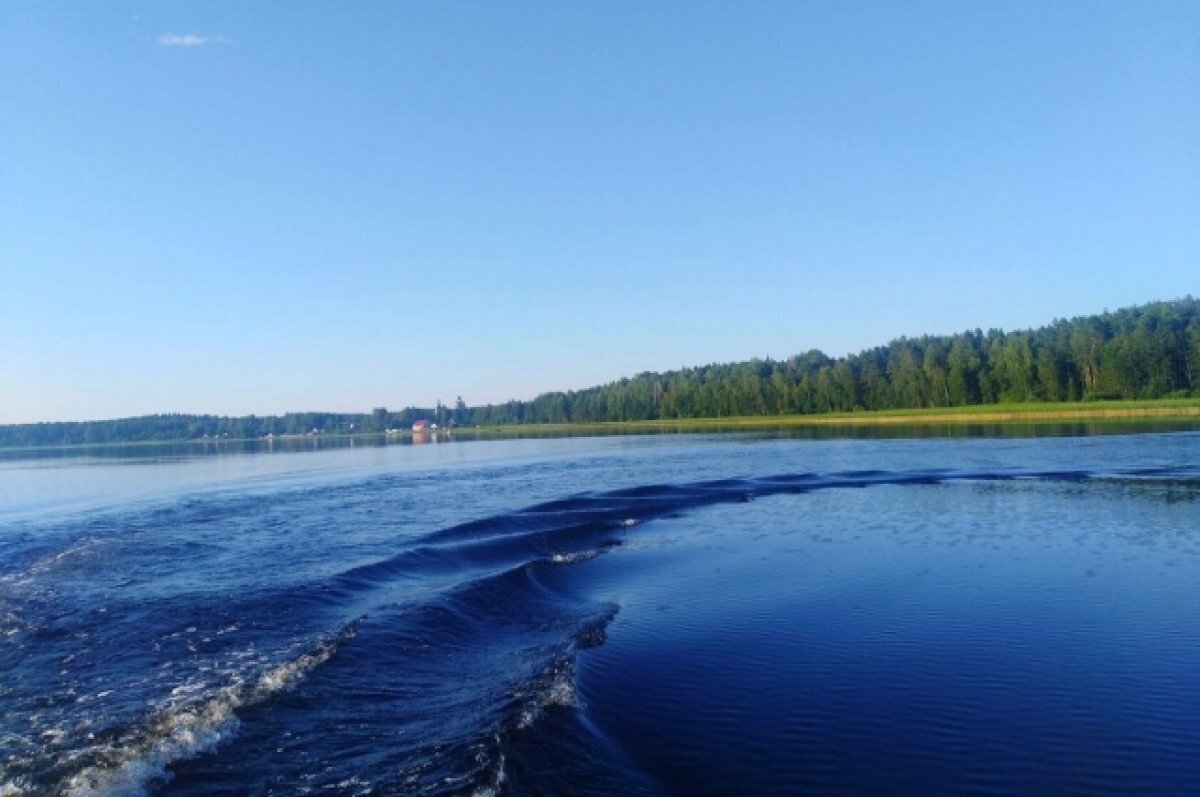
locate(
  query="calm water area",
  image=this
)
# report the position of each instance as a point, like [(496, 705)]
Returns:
[(979, 611)]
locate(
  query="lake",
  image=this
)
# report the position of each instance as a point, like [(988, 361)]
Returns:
[(656, 614)]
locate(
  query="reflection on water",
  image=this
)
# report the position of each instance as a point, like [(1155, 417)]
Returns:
[(74, 478), (867, 431), (34, 481)]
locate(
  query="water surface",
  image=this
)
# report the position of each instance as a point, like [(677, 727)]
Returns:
[(688, 614)]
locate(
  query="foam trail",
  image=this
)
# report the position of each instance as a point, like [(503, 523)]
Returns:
[(128, 768)]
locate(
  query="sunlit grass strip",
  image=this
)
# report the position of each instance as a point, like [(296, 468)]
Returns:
[(1031, 412)]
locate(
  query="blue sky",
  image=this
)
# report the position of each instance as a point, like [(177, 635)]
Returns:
[(265, 207)]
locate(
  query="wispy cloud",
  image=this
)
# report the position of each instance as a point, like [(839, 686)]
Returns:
[(190, 40)]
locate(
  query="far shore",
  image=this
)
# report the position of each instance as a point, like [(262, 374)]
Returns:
[(1027, 414)]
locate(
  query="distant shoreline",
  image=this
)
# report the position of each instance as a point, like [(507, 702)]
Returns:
[(1032, 413)]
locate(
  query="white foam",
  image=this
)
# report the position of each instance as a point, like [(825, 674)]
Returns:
[(557, 690), (187, 729), (10, 624), (14, 788), (354, 786), (49, 562), (572, 558), (172, 737), (492, 787), (562, 691)]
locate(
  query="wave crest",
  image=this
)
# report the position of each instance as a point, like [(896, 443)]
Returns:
[(127, 768)]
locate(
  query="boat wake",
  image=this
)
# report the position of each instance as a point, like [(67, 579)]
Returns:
[(444, 655)]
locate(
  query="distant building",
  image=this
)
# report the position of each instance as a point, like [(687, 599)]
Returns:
[(420, 426)]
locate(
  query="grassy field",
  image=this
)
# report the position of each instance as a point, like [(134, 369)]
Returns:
[(1026, 413)]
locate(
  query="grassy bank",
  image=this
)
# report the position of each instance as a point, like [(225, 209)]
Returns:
[(1026, 413)]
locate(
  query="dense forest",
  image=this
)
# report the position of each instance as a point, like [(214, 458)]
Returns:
[(1151, 351), (1145, 352)]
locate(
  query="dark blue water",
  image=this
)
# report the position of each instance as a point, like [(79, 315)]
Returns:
[(653, 615)]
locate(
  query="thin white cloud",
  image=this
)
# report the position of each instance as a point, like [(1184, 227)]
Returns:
[(190, 40)]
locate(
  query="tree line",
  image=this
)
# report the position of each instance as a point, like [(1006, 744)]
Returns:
[(176, 426), (1145, 352)]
